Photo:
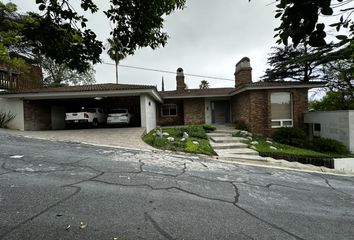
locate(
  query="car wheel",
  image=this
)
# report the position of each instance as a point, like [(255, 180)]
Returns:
[(95, 123)]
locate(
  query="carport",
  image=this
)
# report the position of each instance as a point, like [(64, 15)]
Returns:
[(45, 108)]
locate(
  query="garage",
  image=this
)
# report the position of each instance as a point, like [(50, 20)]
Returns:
[(45, 108)]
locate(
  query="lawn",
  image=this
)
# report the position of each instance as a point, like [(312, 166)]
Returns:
[(265, 146), (197, 142)]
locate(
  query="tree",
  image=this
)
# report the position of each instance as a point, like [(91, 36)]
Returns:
[(290, 63), (204, 84), (116, 53), (56, 74), (300, 22), (333, 101), (61, 33)]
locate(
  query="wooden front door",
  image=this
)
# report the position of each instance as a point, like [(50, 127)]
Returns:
[(220, 112)]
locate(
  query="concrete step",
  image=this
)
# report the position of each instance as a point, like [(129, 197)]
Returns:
[(243, 157), (229, 131), (227, 145), (214, 134), (227, 139), (236, 151)]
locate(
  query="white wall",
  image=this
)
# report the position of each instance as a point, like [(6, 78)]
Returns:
[(148, 112), (207, 111), (338, 125), (15, 106)]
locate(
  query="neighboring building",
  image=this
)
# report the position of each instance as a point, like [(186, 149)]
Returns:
[(263, 106), (338, 125), (30, 76)]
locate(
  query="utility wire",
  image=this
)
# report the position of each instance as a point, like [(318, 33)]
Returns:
[(170, 72)]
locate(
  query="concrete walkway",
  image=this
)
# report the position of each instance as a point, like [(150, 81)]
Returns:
[(115, 137)]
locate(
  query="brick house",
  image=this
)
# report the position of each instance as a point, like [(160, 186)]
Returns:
[(263, 106)]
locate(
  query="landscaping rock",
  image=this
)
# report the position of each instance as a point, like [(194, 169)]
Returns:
[(183, 139), (269, 139), (253, 147), (165, 134), (170, 139), (154, 134), (185, 135), (274, 148), (269, 142), (159, 133), (195, 142), (249, 138), (254, 142)]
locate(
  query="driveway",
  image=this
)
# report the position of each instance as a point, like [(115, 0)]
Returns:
[(115, 137), (61, 190)]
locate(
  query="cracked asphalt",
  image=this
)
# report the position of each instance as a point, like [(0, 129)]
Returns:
[(45, 186)]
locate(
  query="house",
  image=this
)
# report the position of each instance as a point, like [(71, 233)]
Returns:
[(29, 76), (263, 106)]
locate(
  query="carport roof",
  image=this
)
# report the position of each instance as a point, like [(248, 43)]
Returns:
[(82, 88), (83, 91)]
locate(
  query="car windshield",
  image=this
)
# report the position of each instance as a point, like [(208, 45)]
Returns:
[(119, 111), (90, 110)]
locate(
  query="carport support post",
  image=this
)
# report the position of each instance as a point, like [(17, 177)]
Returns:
[(148, 112)]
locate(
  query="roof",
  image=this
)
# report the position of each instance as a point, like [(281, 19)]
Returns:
[(83, 91), (81, 88), (197, 92), (227, 92)]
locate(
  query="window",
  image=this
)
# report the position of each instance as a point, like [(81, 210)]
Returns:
[(317, 127), (281, 110), (169, 110)]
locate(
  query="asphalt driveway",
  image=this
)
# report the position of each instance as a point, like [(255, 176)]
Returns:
[(115, 137), (61, 190)]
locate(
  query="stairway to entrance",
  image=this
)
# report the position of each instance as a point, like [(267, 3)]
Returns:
[(231, 148)]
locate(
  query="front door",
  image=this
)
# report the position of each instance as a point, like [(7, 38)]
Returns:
[(220, 112)]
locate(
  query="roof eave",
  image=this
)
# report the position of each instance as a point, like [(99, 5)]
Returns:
[(83, 94), (250, 88)]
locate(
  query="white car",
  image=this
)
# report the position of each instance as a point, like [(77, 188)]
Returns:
[(94, 116), (119, 116)]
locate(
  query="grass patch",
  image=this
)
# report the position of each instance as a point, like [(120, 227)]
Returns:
[(196, 133), (282, 149)]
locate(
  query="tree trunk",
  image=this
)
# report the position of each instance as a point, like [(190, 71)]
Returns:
[(117, 72)]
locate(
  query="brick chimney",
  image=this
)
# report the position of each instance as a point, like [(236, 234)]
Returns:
[(243, 73), (181, 86)]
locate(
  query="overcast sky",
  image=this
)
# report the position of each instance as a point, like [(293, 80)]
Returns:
[(207, 38)]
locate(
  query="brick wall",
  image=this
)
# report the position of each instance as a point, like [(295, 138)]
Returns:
[(254, 108), (37, 115), (171, 121), (194, 111), (240, 108), (259, 116)]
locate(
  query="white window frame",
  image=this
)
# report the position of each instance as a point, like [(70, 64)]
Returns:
[(281, 121), (169, 115)]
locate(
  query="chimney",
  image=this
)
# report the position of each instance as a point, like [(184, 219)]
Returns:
[(243, 73), (181, 86)]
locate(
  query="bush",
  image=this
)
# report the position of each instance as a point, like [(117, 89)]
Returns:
[(5, 118), (291, 136), (328, 146), (196, 131), (241, 126), (208, 128)]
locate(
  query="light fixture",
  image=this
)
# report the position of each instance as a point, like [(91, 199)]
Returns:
[(98, 98)]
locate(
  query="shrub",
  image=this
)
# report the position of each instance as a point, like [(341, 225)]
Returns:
[(5, 118), (196, 131), (328, 146), (208, 127), (291, 136), (241, 126)]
